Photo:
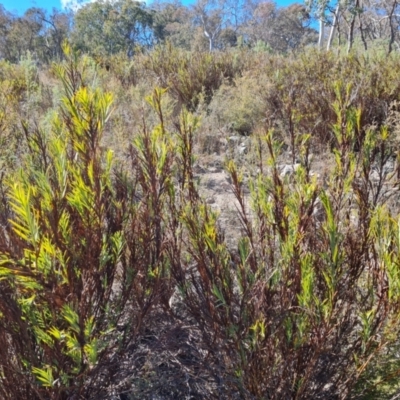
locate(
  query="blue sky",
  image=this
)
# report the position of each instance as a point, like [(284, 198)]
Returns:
[(20, 6)]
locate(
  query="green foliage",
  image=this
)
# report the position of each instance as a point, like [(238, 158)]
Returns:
[(309, 304), (104, 244), (19, 99), (239, 107), (79, 256), (189, 75), (103, 28), (64, 192), (294, 95)]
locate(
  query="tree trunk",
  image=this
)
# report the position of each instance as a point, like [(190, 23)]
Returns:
[(334, 23), (350, 37), (392, 32), (362, 34), (321, 32)]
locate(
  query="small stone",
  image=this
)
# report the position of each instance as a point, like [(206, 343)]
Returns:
[(289, 169), (198, 169), (242, 150), (233, 140)]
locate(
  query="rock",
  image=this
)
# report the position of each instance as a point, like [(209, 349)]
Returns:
[(289, 170), (213, 170), (374, 175), (210, 200), (233, 141), (388, 168), (223, 143), (198, 169), (242, 150)]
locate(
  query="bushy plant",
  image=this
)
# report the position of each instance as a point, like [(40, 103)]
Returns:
[(188, 75), (99, 253), (295, 93), (82, 253), (239, 107), (19, 94), (308, 301)]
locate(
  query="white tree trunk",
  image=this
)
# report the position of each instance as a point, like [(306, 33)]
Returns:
[(321, 33), (334, 23)]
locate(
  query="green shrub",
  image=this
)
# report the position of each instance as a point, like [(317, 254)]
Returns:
[(295, 93), (82, 257), (189, 75), (95, 247), (307, 307), (239, 107)]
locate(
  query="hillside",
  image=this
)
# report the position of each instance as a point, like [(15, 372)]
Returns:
[(182, 224)]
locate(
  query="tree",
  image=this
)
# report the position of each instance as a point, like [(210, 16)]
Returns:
[(319, 9), (209, 15), (335, 22), (37, 32), (368, 20), (222, 21), (105, 28), (58, 28), (282, 29), (381, 21), (20, 34), (6, 20), (173, 22)]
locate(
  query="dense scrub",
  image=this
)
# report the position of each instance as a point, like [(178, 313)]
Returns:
[(116, 276)]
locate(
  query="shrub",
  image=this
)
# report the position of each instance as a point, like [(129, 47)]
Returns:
[(82, 256), (239, 107), (307, 306), (295, 94), (19, 95), (96, 257), (188, 75)]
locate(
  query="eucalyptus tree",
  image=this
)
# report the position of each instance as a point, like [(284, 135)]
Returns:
[(343, 14), (223, 21), (58, 27), (36, 31), (281, 29), (105, 27), (367, 20), (20, 34), (209, 14), (46, 33), (381, 22), (354, 10), (319, 9), (173, 22), (335, 22), (6, 21)]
